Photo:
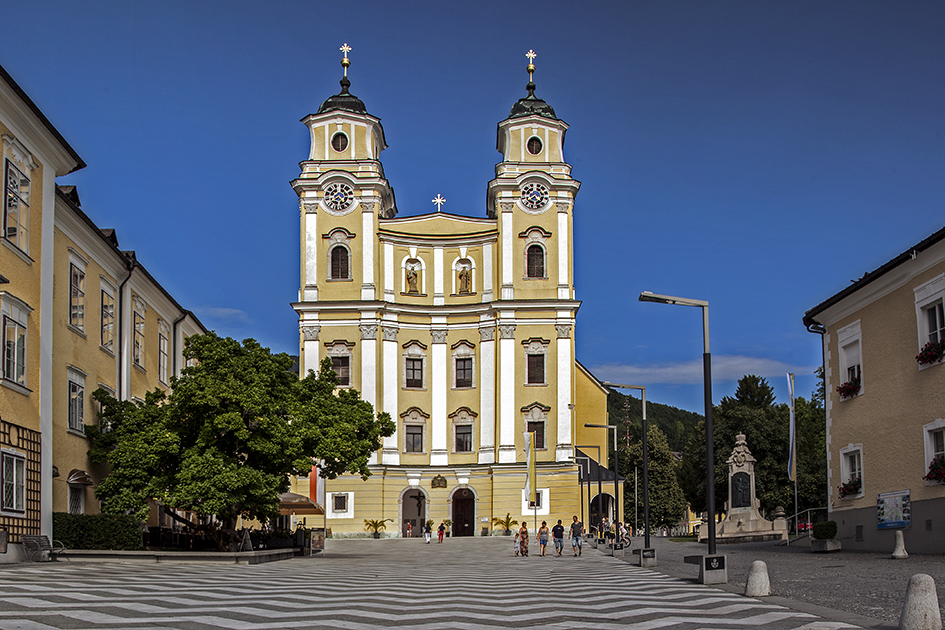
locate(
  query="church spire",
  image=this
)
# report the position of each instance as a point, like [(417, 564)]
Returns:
[(531, 104), (344, 100)]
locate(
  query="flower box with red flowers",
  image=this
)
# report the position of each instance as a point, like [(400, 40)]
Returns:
[(936, 470), (849, 389), (932, 352), (851, 488)]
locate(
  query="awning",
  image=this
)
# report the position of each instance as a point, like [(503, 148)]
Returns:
[(291, 503), (79, 478)]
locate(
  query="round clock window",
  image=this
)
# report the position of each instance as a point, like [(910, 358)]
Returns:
[(338, 196), (534, 196), (339, 142), (534, 145)]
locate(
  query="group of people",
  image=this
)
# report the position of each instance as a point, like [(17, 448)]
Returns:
[(556, 533), (428, 531), (615, 531)]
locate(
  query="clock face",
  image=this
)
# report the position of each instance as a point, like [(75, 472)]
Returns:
[(338, 196), (534, 196)]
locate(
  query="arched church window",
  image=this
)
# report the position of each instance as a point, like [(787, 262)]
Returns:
[(340, 269), (535, 261)]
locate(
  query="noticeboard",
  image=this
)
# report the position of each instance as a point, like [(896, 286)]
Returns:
[(893, 510)]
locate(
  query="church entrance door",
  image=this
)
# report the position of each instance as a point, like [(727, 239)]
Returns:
[(464, 513), (414, 511)]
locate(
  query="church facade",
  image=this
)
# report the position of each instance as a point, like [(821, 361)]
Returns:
[(461, 328)]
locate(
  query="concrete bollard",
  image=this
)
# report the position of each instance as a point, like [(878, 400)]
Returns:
[(920, 610), (758, 584), (899, 553)]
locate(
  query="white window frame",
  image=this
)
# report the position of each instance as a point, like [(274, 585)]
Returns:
[(18, 471), (342, 348), (927, 295), (464, 350), (846, 471), (163, 333), (464, 417), (928, 435), (77, 291), (14, 314), (138, 330), (544, 503), (848, 338), (18, 161), (107, 328), (414, 350), (348, 512), (415, 417), (536, 346), (76, 401)]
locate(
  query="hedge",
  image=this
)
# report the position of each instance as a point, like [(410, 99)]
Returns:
[(825, 530), (97, 531)]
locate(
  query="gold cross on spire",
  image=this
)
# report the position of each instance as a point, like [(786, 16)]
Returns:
[(531, 63), (439, 201), (344, 62)]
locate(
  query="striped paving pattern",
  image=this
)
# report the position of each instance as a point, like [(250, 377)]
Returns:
[(464, 583)]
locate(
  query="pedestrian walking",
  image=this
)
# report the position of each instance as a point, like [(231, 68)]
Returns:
[(523, 540), (542, 538), (427, 532), (515, 545), (409, 530), (576, 534), (440, 531), (557, 532)]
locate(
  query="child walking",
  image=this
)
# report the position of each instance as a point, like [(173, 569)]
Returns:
[(515, 545)]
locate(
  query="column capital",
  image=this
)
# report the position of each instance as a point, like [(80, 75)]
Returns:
[(390, 332), (506, 331), (310, 332), (368, 331), (439, 336), (564, 331)]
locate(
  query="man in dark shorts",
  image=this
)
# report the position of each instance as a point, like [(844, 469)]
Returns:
[(557, 532), (576, 534)]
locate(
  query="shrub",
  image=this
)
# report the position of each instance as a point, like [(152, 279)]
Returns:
[(97, 531), (825, 530)]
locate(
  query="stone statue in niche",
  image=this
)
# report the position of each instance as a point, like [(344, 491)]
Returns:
[(465, 277), (413, 276)]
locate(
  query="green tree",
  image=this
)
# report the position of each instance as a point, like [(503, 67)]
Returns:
[(237, 423), (752, 411), (667, 503)]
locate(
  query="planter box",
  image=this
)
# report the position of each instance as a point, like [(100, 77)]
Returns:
[(818, 545)]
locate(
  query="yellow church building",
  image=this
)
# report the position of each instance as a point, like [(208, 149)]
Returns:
[(461, 328)]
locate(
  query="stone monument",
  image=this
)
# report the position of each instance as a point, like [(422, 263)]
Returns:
[(743, 522)]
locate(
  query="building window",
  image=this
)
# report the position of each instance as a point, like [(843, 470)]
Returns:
[(162, 358), (534, 145), (108, 321), (76, 499), (14, 483), (935, 316), (340, 269), (413, 438), (339, 142), (537, 504), (851, 370), (342, 368), (851, 471), (76, 401), (464, 438), (536, 369), (16, 214), (14, 351), (535, 261), (463, 365), (339, 502), (930, 314), (934, 446), (536, 417), (538, 428), (414, 370), (138, 350), (76, 297)]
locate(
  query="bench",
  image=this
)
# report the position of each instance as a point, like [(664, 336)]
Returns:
[(36, 547)]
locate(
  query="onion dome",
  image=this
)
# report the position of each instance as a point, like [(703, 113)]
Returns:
[(344, 100), (531, 104)]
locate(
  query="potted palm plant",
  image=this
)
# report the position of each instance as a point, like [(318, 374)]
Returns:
[(505, 523), (376, 526), (449, 524)]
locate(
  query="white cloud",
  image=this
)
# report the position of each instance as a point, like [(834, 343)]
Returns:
[(224, 314), (724, 368)]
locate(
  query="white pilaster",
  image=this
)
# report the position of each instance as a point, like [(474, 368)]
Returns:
[(310, 252), (487, 394), (507, 385), (367, 251), (310, 349), (389, 272), (44, 339), (439, 384), (487, 272), (508, 291), (564, 240), (391, 455), (368, 363), (438, 299), (564, 450)]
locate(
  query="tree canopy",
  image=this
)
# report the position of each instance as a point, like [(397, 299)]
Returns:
[(667, 504), (236, 424)]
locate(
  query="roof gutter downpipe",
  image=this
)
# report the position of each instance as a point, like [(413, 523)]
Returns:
[(132, 265), (819, 329)]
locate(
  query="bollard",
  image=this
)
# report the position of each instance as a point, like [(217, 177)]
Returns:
[(920, 610), (899, 553), (758, 584)]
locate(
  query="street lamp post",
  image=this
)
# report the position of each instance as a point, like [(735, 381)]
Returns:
[(600, 491), (647, 296), (616, 490), (646, 467)]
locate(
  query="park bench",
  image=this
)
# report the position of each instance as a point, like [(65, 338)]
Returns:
[(38, 547)]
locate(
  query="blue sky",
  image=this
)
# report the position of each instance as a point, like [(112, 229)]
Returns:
[(758, 155)]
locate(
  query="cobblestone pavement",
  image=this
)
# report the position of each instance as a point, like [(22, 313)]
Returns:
[(463, 583), (856, 582)]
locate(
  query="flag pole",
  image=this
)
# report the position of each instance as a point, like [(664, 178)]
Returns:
[(792, 450)]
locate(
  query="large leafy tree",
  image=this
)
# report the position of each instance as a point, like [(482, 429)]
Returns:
[(667, 504), (237, 423), (753, 411)]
